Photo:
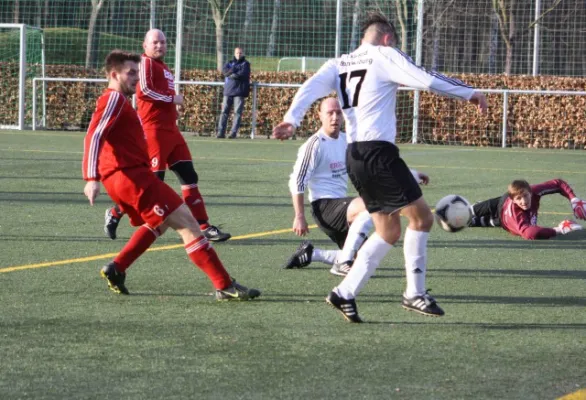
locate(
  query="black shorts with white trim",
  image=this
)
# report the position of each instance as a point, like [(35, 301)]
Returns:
[(331, 217), (380, 176)]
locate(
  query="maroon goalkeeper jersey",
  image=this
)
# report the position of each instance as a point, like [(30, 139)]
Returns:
[(524, 222), (114, 140), (154, 93)]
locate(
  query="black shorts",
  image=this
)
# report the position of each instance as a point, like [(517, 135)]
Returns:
[(488, 212), (331, 217), (380, 176)]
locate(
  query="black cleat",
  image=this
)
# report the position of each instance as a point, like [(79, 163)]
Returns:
[(341, 269), (236, 292), (302, 256), (110, 224), (346, 307), (424, 304), (214, 234), (115, 278)]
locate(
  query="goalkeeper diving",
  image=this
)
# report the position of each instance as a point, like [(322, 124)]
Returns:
[(516, 211)]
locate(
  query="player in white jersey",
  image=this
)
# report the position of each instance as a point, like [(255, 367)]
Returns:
[(366, 82), (320, 169)]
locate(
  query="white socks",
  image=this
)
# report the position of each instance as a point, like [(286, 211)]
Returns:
[(325, 256), (357, 235), (415, 250), (369, 257)]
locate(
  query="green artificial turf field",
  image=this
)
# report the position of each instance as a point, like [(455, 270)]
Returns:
[(515, 310)]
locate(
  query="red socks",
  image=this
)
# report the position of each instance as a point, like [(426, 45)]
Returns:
[(139, 242), (116, 212), (205, 257), (194, 201)]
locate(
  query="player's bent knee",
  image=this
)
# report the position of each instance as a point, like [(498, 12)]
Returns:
[(355, 207), (387, 226), (185, 173), (181, 219)]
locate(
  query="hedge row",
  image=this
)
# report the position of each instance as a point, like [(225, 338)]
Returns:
[(538, 121)]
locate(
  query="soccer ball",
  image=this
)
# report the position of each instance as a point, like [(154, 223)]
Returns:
[(453, 213)]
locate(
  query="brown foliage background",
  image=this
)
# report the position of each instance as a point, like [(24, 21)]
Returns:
[(538, 121)]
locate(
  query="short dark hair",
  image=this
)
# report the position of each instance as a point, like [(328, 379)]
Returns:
[(383, 25), (117, 58)]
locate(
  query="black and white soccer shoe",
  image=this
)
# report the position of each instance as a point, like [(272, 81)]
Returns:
[(348, 308), (302, 256), (424, 304)]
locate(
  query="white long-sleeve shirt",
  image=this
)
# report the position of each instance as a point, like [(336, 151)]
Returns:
[(321, 168), (366, 82)]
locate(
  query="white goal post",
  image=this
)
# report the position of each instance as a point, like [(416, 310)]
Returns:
[(24, 60)]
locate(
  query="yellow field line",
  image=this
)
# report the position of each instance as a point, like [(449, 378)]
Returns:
[(161, 248), (110, 255), (579, 395)]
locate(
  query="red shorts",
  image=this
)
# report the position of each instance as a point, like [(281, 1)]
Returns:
[(143, 196), (166, 148)]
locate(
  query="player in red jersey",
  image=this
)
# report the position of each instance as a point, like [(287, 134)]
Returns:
[(157, 108), (115, 153), (516, 211)]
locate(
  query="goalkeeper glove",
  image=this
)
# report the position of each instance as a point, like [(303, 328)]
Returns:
[(567, 226), (579, 208)]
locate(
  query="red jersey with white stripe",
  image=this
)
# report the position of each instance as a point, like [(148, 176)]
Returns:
[(154, 93), (524, 222), (115, 140)]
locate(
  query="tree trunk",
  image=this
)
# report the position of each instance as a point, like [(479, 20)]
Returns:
[(219, 14), (16, 16), (511, 41), (494, 43), (46, 14), (219, 22), (272, 36), (354, 36), (401, 15), (435, 49), (91, 54), (248, 21)]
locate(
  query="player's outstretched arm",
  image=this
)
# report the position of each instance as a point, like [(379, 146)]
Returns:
[(479, 99), (283, 131), (567, 226), (319, 85), (579, 208)]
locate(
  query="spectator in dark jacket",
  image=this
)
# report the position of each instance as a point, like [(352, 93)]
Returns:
[(236, 89)]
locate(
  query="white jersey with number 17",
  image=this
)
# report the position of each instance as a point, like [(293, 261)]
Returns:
[(366, 82)]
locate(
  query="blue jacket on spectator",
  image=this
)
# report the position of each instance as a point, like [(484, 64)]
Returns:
[(237, 82)]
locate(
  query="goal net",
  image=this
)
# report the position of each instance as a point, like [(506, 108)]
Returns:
[(21, 60), (509, 47)]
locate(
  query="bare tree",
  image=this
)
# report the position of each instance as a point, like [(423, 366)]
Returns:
[(273, 35), (91, 53), (46, 14), (505, 13), (248, 20), (354, 35), (219, 13), (494, 42), (438, 9), (16, 14), (402, 16)]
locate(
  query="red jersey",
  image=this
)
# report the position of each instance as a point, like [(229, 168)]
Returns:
[(154, 93), (524, 222), (114, 140)]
